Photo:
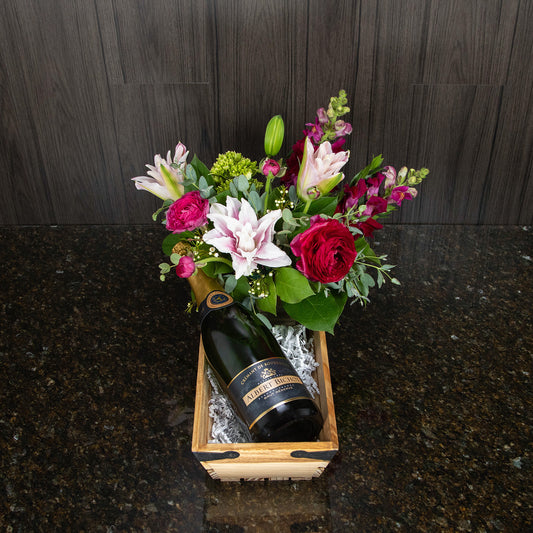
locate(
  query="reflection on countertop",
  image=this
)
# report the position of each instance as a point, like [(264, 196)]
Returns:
[(432, 389)]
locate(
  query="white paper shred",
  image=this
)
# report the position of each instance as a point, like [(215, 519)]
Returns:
[(226, 426)]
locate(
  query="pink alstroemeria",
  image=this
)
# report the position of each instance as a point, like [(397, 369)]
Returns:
[(165, 177), (320, 170), (238, 232)]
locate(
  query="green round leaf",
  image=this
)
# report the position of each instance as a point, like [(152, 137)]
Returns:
[(292, 286), (319, 312)]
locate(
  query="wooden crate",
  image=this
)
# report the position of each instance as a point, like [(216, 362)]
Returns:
[(277, 460)]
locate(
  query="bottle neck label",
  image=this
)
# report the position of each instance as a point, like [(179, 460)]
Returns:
[(215, 300)]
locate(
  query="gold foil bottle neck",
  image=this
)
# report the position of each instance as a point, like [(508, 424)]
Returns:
[(201, 284)]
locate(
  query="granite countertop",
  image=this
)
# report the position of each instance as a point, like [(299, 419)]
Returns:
[(432, 390)]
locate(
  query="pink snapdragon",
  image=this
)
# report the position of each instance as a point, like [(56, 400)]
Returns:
[(374, 206), (238, 232), (373, 184), (342, 128), (390, 177), (398, 194)]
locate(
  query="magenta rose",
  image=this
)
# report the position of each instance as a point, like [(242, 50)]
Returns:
[(187, 213), (326, 250), (270, 165)]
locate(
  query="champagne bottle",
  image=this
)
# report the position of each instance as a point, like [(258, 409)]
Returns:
[(251, 367)]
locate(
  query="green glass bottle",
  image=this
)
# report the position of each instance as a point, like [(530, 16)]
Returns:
[(250, 366)]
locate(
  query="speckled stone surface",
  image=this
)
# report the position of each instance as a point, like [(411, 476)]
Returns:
[(432, 388)]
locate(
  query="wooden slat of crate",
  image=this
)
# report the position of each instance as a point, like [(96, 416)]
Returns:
[(277, 460)]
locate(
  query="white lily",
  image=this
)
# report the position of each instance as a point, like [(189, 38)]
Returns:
[(165, 177)]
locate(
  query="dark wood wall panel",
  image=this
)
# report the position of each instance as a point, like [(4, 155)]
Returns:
[(508, 194), (452, 125), (469, 41), (142, 134), (91, 90), (261, 50), (154, 42)]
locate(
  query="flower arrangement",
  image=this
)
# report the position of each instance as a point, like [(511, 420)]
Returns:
[(282, 233)]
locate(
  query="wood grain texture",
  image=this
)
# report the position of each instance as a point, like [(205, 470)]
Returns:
[(508, 194), (452, 125), (154, 42), (90, 91), (469, 42), (261, 50)]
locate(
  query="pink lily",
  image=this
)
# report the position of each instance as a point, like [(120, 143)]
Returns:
[(238, 232), (165, 177), (319, 171)]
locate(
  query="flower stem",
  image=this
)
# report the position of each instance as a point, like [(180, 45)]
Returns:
[(212, 259), (307, 205), (269, 179)]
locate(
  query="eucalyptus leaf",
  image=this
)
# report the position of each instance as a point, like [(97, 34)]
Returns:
[(293, 195), (242, 183), (255, 201), (165, 267), (287, 216), (202, 183), (191, 173), (175, 258), (264, 320), (230, 284)]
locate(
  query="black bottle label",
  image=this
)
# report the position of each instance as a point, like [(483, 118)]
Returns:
[(264, 386)]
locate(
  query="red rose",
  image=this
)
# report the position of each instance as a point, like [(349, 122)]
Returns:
[(187, 213), (326, 251)]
